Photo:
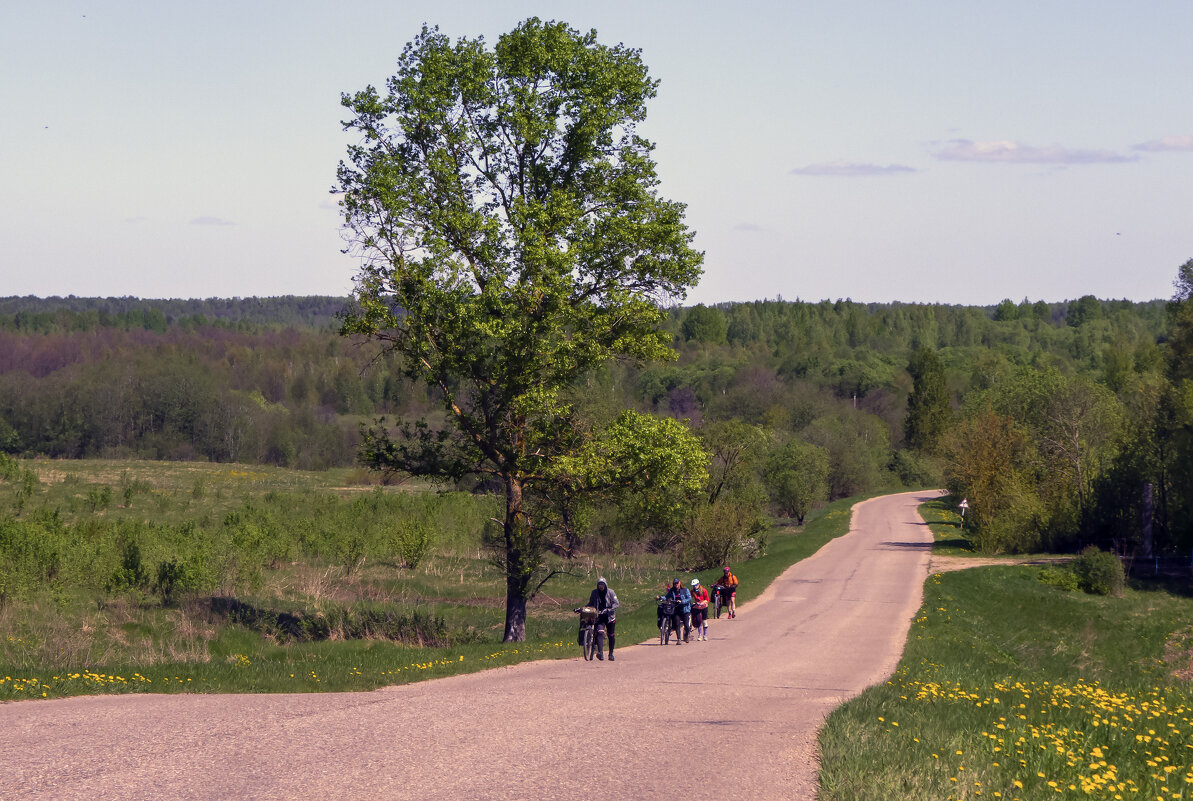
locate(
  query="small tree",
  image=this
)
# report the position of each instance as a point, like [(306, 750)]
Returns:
[(512, 241), (796, 476)]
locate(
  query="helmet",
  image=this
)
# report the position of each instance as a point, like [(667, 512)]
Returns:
[(695, 582), (726, 568)]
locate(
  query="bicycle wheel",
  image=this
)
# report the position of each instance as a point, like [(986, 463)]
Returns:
[(589, 645), (665, 632), (717, 605)]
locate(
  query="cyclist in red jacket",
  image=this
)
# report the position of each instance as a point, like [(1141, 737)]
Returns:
[(699, 610)]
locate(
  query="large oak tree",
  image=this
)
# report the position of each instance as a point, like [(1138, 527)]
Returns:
[(512, 240)]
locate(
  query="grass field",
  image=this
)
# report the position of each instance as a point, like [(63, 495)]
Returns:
[(1014, 689), (286, 547)]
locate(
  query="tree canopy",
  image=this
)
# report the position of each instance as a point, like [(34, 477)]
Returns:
[(512, 240)]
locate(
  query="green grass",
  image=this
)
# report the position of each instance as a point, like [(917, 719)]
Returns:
[(1013, 689), (283, 542), (944, 520)]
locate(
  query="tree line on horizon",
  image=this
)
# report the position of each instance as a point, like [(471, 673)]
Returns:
[(1050, 417)]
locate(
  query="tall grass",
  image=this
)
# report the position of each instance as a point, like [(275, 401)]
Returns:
[(326, 600)]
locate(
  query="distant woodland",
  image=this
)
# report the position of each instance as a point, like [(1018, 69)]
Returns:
[(1053, 419)]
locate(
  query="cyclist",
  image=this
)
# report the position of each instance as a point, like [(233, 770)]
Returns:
[(604, 600), (683, 607), (728, 584), (699, 610)]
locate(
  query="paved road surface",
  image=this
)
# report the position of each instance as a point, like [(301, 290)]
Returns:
[(739, 711)]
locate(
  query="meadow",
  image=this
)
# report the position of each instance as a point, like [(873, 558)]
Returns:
[(124, 576), (1013, 688)]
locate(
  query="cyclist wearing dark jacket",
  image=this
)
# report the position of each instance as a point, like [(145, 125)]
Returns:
[(683, 607), (604, 600)]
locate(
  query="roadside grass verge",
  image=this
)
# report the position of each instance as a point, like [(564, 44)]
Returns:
[(66, 639), (1010, 688), (944, 521)]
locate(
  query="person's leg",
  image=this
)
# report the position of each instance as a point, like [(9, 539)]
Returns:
[(610, 627), (677, 624)]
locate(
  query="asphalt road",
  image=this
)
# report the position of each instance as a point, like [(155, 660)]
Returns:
[(739, 712)]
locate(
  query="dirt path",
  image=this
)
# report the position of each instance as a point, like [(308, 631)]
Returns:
[(741, 710)]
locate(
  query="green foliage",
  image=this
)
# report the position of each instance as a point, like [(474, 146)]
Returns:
[(796, 476), (718, 532), (411, 542), (99, 498), (858, 446), (652, 469), (512, 241), (915, 470), (1018, 525), (928, 409), (704, 325), (1061, 577), (174, 577), (131, 574), (1099, 572), (1083, 310)]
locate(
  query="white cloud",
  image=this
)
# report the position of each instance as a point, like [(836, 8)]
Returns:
[(1007, 152), (1167, 143), (211, 221), (751, 227), (850, 169)]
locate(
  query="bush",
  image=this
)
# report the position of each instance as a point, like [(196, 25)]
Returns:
[(173, 577), (716, 534), (1099, 572), (131, 575), (410, 542), (1061, 577), (1017, 527)]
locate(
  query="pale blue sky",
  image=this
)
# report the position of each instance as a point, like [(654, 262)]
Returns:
[(947, 151)]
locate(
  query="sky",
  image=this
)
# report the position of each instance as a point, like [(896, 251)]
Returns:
[(925, 152)]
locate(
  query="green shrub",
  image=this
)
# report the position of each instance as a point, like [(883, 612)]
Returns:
[(1099, 572), (1017, 527), (99, 498), (174, 576), (411, 542), (1061, 577), (131, 575)]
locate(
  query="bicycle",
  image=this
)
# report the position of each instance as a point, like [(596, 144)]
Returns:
[(667, 609), (720, 598), (592, 633)]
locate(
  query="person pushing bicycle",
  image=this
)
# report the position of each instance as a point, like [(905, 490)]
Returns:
[(727, 586), (604, 600), (699, 610), (683, 607)]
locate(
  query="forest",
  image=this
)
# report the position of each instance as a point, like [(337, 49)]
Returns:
[(1062, 424)]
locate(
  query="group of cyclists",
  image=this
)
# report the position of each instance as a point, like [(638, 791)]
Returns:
[(690, 607)]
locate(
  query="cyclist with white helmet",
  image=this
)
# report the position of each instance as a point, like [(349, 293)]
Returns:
[(699, 610)]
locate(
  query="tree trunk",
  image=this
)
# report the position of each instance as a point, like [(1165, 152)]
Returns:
[(519, 562), (515, 614)]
